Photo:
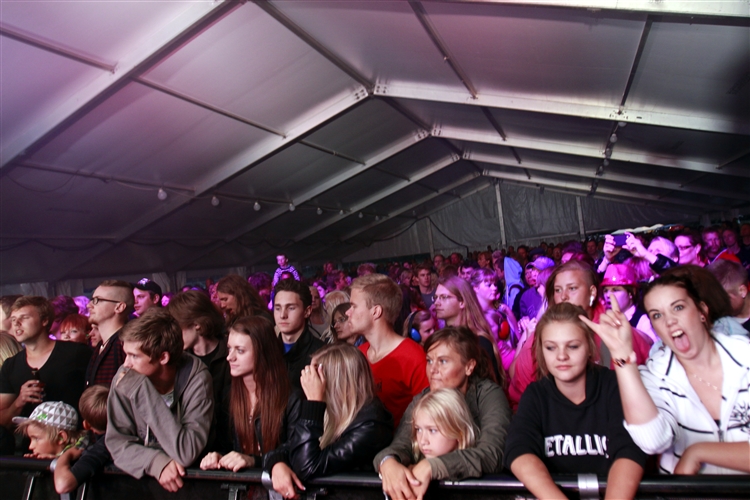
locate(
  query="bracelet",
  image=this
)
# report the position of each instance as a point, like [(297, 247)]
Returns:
[(383, 460), (53, 465), (620, 362)]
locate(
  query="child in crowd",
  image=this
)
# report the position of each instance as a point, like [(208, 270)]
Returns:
[(88, 461), (570, 420), (442, 424), (52, 427)]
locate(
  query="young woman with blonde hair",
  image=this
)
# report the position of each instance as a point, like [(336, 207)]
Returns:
[(342, 424)]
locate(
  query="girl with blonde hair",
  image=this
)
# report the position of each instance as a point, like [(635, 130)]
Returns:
[(342, 424), (442, 424)]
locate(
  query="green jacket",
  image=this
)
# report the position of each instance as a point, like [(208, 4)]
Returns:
[(491, 413)]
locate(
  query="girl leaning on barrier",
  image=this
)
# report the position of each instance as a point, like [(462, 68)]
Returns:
[(455, 360), (342, 424), (263, 407), (570, 419), (690, 402)]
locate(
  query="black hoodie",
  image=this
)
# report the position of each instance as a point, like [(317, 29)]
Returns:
[(570, 438)]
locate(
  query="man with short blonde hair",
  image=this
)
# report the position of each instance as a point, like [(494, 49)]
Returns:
[(398, 364)]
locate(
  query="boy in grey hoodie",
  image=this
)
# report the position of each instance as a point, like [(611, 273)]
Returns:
[(161, 403)]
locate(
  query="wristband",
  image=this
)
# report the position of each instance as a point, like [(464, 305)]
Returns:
[(383, 460), (620, 362), (53, 465)]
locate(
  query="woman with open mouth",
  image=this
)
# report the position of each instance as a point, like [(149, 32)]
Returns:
[(690, 402)]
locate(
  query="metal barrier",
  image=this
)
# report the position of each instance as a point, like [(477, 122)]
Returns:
[(28, 479)]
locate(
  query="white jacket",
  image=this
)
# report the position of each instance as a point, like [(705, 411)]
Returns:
[(683, 420)]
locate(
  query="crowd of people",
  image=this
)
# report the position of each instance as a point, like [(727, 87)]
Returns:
[(582, 357)]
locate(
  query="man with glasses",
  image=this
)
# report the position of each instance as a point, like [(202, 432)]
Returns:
[(45, 370), (109, 307)]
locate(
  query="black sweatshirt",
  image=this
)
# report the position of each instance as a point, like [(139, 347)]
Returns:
[(570, 438)]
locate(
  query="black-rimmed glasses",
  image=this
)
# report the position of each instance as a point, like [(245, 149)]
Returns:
[(96, 300)]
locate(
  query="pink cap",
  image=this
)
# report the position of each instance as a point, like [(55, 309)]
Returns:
[(619, 275)]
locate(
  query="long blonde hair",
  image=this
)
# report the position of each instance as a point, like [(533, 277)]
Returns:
[(448, 409), (9, 346), (349, 387)]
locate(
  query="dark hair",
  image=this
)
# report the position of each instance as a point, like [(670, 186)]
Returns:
[(272, 382), (42, 305), (260, 281), (249, 302), (157, 332), (466, 344), (294, 286), (193, 307), (695, 239), (340, 309), (700, 285), (63, 306), (564, 312)]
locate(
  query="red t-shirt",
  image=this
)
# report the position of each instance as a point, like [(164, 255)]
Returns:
[(399, 376)]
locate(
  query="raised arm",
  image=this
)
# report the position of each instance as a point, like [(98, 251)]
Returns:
[(617, 335)]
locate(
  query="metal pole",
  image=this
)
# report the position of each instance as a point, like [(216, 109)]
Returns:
[(501, 220), (429, 236), (581, 228)]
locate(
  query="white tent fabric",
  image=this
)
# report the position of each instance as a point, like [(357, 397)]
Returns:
[(203, 136)]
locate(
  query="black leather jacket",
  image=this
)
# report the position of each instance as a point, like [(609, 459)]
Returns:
[(291, 415), (370, 431)]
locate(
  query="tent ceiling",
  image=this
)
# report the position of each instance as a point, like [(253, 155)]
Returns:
[(392, 109)]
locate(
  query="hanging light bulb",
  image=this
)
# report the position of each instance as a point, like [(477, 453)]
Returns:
[(605, 163), (215, 201), (341, 212), (360, 215), (161, 194), (621, 124), (256, 207), (613, 138), (377, 217), (292, 208), (608, 153), (320, 211)]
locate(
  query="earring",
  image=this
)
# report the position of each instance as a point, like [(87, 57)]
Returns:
[(591, 302), (703, 319)]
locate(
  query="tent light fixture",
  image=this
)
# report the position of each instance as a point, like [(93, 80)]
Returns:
[(341, 212), (256, 206), (215, 201), (613, 138), (292, 208), (161, 194), (320, 211), (361, 215)]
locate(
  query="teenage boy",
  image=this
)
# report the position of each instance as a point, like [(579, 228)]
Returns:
[(147, 294), (161, 403), (398, 364), (292, 306), (108, 308), (424, 278), (45, 370)]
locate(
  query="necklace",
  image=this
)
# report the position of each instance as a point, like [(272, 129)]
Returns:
[(712, 386)]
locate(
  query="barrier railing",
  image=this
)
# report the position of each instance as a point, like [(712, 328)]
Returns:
[(28, 479)]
